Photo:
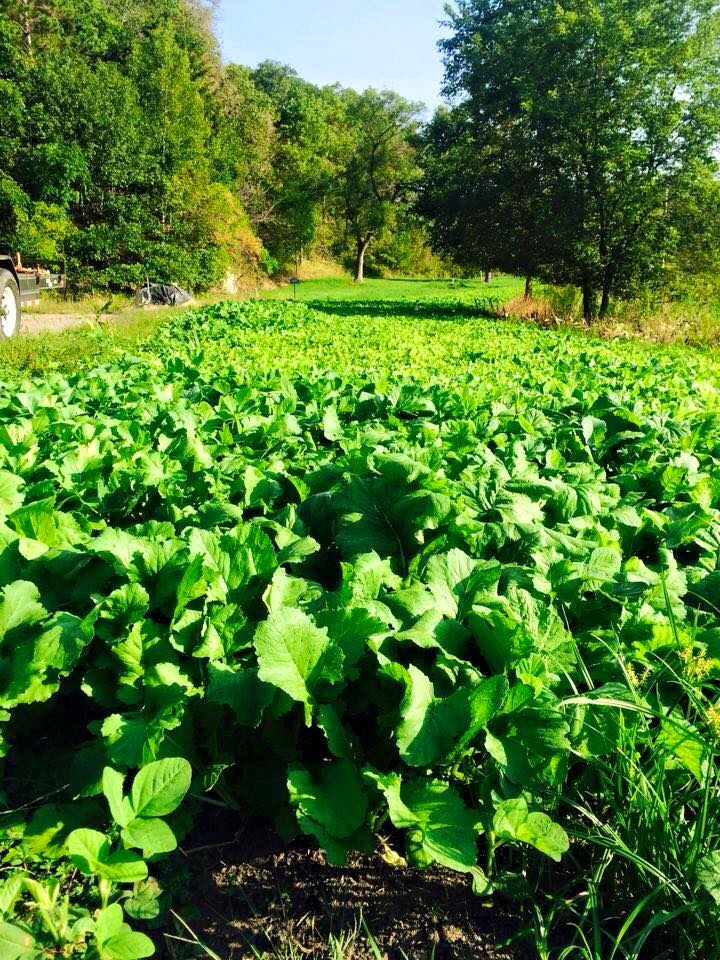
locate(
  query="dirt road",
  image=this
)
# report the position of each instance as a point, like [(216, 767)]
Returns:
[(54, 322)]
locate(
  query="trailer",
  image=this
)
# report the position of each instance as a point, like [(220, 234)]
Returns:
[(21, 286)]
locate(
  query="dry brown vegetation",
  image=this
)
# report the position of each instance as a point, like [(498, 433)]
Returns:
[(692, 324)]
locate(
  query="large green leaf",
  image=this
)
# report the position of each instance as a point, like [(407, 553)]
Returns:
[(484, 701), (10, 890), (89, 850), (440, 828), (10, 496), (454, 579), (684, 744), (112, 787), (14, 941), (331, 805), (433, 729), (708, 873), (295, 655), (116, 941), (123, 866), (514, 821), (153, 836), (108, 922), (44, 527), (429, 727), (128, 945), (38, 662), (20, 606), (233, 559), (241, 690)]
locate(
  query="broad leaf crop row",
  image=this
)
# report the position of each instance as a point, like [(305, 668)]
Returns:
[(357, 602)]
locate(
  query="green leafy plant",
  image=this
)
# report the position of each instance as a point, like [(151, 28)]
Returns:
[(157, 790), (470, 618)]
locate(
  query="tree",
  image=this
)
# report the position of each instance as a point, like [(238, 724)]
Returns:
[(694, 209), (128, 149), (611, 102), (484, 197), (245, 142), (309, 131), (108, 153), (380, 169)]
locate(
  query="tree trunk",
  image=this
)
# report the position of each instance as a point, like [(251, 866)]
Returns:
[(528, 288), (27, 28), (362, 246), (604, 303), (605, 300), (488, 276), (588, 295)]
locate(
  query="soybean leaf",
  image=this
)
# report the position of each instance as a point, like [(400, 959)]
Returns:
[(14, 941), (153, 836), (112, 786), (159, 788), (88, 849)]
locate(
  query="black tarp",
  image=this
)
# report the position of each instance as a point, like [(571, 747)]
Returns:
[(162, 295)]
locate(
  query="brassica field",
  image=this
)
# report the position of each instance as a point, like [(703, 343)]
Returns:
[(405, 580)]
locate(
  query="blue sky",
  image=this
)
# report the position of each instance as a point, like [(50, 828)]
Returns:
[(358, 43)]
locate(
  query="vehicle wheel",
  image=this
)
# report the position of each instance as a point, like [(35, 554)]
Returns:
[(10, 311)]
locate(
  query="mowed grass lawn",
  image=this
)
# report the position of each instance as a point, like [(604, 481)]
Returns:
[(501, 287)]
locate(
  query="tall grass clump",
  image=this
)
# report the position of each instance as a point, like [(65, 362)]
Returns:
[(646, 815)]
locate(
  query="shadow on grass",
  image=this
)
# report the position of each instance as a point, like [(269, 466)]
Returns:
[(435, 283), (426, 309)]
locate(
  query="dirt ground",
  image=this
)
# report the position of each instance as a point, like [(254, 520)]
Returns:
[(53, 322), (121, 317), (257, 897)]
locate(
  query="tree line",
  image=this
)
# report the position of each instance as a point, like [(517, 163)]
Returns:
[(579, 147), (129, 149), (582, 147)]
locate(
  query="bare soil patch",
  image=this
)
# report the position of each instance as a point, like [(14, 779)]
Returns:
[(33, 323), (257, 896)]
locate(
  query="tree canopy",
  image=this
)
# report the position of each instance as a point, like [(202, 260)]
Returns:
[(380, 168), (128, 149), (577, 123)]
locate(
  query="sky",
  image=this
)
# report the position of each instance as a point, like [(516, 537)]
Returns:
[(357, 43)]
